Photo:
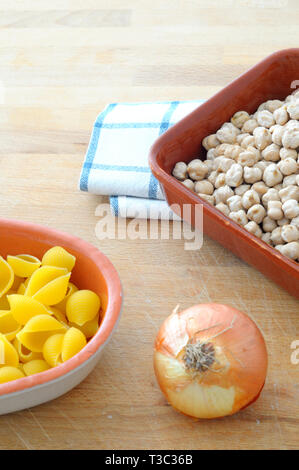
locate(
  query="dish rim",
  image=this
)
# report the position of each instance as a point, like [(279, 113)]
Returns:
[(109, 321)]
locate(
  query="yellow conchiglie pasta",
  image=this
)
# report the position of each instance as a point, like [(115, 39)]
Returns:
[(58, 256), (22, 289), (16, 284), (60, 316), (9, 327), (89, 328), (6, 276), (8, 373), (38, 330), (82, 307), (24, 308), (25, 355), (8, 354), (23, 265), (35, 367), (53, 292), (73, 341), (52, 350), (71, 290), (42, 277), (4, 304)]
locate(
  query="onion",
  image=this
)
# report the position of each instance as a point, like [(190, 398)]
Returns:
[(210, 360)]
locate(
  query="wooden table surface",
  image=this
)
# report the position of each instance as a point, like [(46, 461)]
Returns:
[(60, 63)]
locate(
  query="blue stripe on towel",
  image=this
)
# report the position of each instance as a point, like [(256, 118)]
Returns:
[(114, 204), (164, 125), (92, 147)]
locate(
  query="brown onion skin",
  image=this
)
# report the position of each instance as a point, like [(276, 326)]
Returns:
[(245, 341)]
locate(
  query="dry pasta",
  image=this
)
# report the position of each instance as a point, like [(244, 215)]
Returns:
[(45, 319)]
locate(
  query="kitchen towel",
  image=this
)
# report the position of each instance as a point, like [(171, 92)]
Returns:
[(116, 162)]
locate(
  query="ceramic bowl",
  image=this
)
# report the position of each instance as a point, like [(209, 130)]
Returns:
[(92, 271), (274, 78)]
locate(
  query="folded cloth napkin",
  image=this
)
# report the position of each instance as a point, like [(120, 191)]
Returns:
[(116, 162)]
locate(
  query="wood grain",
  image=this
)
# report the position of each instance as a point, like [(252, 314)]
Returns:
[(60, 63)]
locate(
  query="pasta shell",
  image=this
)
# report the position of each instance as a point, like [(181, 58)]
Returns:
[(35, 367), (42, 277), (82, 306), (8, 354), (38, 330), (4, 304), (16, 284), (6, 277), (9, 327), (58, 256), (24, 308), (8, 373), (52, 350), (25, 355), (71, 290), (89, 328), (23, 265), (22, 289), (60, 316), (53, 292), (73, 341)]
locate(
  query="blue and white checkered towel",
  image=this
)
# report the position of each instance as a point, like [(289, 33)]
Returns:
[(116, 163)]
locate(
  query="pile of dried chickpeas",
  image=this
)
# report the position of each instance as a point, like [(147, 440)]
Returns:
[(251, 172)]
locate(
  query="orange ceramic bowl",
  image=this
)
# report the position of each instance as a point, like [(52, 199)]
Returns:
[(273, 78), (92, 271)]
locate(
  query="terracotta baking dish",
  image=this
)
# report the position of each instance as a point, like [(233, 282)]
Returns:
[(272, 78)]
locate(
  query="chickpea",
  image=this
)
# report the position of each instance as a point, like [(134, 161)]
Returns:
[(253, 228), (180, 171), (248, 141), (275, 210), (271, 153), (220, 180), (207, 197), (222, 208), (281, 115), (249, 126), (234, 175), (288, 166), (252, 175), (241, 136), (211, 154), (290, 192), (223, 193), (256, 213), (272, 175), (260, 188), (266, 237), (262, 165), (240, 190), (289, 181), (291, 250), (250, 198), (293, 109), (288, 153), (235, 203), (272, 105), (277, 133), (290, 138), (224, 164), (271, 195), (210, 141), (239, 217), (204, 187), (276, 237), (291, 208), (223, 150), (197, 170), (189, 184), (283, 221), (265, 118), (240, 118), (289, 233), (295, 221), (248, 157), (212, 177), (269, 224), (262, 137), (227, 133)]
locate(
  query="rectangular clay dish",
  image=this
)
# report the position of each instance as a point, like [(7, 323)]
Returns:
[(272, 78)]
